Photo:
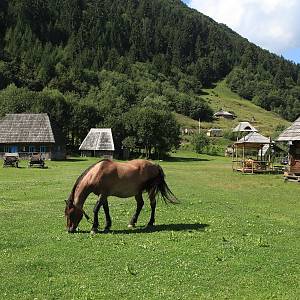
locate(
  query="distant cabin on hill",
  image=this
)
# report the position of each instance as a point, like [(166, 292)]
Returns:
[(98, 142), (224, 114), (31, 133), (244, 127), (215, 132)]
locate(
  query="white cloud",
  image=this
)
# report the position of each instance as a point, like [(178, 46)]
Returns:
[(271, 24)]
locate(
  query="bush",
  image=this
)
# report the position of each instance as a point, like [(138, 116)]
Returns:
[(200, 141)]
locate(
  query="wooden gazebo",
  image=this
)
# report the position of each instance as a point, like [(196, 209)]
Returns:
[(247, 154), (292, 136)]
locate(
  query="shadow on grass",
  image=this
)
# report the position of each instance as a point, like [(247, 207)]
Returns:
[(156, 228), (75, 159), (185, 159)]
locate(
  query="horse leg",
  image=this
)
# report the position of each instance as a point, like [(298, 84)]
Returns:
[(153, 206), (107, 215), (139, 206), (97, 206)]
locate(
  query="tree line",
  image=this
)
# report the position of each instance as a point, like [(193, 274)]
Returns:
[(109, 59)]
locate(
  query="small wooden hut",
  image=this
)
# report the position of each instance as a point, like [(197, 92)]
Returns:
[(224, 114), (99, 143), (214, 132), (245, 155), (244, 127), (26, 134), (292, 136)]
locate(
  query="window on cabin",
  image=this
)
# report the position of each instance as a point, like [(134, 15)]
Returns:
[(13, 149), (43, 149), (31, 148)]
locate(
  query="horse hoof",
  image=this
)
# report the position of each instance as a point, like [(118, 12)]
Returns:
[(131, 226), (106, 230), (94, 231), (149, 227)]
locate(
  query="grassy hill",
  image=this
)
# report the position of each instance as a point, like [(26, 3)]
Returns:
[(221, 96)]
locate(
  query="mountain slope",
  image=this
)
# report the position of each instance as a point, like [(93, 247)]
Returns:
[(222, 97), (92, 61)]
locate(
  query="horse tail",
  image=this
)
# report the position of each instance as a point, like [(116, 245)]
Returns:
[(159, 186)]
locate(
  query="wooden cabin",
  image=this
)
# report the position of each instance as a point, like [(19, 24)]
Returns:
[(26, 134), (224, 114), (292, 136), (99, 143), (244, 127), (214, 132)]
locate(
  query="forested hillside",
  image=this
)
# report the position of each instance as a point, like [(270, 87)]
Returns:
[(101, 62)]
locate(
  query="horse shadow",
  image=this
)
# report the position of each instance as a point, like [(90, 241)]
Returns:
[(156, 228)]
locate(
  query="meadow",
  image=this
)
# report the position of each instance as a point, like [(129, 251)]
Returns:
[(232, 236)]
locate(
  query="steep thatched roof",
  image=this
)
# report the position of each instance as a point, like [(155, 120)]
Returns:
[(244, 127), (292, 133), (98, 139), (26, 128)]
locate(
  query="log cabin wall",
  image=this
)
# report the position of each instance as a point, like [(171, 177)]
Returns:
[(294, 158)]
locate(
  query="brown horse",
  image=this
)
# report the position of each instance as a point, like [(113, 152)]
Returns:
[(108, 178)]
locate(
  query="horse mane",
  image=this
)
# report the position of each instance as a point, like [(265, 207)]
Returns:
[(78, 180)]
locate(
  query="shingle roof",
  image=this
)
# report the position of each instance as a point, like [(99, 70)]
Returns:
[(223, 113), (255, 138), (292, 133), (244, 127), (26, 128), (98, 139)]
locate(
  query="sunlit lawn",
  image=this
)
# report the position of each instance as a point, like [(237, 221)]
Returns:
[(233, 236)]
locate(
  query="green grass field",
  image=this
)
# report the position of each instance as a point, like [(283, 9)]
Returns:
[(233, 236)]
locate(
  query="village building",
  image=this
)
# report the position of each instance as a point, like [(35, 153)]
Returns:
[(292, 136), (26, 134), (99, 143), (244, 127), (224, 114), (214, 132)]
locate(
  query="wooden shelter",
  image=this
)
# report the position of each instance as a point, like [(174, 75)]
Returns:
[(224, 114), (214, 132), (98, 142), (292, 136), (244, 127), (245, 155), (26, 134)]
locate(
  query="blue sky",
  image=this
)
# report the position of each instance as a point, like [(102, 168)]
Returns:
[(271, 24)]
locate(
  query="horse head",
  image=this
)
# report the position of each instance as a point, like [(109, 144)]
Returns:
[(73, 215)]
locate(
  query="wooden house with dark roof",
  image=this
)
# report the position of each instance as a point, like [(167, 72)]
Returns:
[(31, 133), (98, 142), (292, 136)]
